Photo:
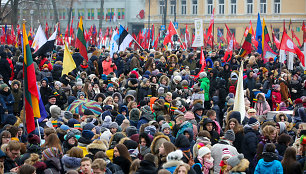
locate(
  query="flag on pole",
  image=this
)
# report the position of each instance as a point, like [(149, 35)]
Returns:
[(31, 95), (68, 62), (211, 23), (39, 39), (202, 62), (47, 46), (155, 46), (47, 30), (304, 32), (114, 43), (239, 104), (247, 45), (254, 41), (229, 50), (171, 31), (124, 39), (259, 35), (80, 40), (288, 45), (294, 36), (187, 37)]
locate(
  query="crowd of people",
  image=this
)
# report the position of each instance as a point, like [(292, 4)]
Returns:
[(160, 114)]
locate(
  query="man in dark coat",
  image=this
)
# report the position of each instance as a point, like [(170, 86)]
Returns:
[(77, 57), (11, 161), (5, 69), (250, 141), (119, 63), (147, 165)]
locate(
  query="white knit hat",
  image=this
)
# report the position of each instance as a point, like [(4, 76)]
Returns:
[(175, 156), (203, 151)]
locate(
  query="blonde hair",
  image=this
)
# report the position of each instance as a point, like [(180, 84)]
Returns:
[(268, 131), (178, 167), (33, 159)]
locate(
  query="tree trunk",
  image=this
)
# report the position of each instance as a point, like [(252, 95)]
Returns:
[(70, 15), (14, 18), (101, 15), (55, 11)]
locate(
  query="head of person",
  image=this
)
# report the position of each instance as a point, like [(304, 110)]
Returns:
[(86, 165), (26, 169), (165, 148), (75, 152), (254, 123), (13, 150), (52, 100), (120, 150), (289, 156), (98, 166), (211, 114), (251, 112), (182, 169), (5, 137), (270, 132)]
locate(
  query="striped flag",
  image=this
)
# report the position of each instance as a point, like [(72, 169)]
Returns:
[(31, 92), (80, 40)]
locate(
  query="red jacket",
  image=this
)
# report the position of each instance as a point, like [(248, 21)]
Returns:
[(107, 68), (276, 99)]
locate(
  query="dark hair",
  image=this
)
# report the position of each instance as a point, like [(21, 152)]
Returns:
[(289, 158), (26, 169), (150, 157), (13, 130), (204, 133), (284, 139), (101, 155), (269, 147), (146, 137), (123, 151)]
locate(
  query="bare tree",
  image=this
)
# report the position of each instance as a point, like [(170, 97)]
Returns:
[(101, 14), (4, 10), (69, 14), (14, 11), (55, 11)]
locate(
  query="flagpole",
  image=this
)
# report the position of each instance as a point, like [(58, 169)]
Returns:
[(38, 130), (178, 35), (138, 44)]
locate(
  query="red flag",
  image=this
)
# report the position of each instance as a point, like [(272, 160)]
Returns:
[(275, 40), (211, 23), (294, 36), (246, 31), (228, 34), (304, 32), (47, 30), (187, 39), (156, 42), (71, 28), (254, 41), (202, 62), (171, 31), (288, 45), (229, 50), (66, 34)]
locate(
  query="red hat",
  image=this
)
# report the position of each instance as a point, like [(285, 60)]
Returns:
[(298, 101), (271, 59)]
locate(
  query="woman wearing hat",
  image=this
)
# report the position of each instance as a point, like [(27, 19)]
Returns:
[(203, 162), (237, 164)]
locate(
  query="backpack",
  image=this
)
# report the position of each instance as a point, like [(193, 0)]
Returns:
[(190, 160)]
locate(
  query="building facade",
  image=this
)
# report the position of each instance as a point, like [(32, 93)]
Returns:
[(237, 14)]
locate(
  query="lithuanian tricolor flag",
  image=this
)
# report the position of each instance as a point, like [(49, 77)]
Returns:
[(80, 40), (31, 92), (247, 45)]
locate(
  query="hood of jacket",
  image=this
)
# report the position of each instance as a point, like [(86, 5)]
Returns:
[(269, 156), (71, 162)]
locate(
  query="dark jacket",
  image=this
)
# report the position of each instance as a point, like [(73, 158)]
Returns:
[(147, 167), (144, 91), (53, 166), (78, 59), (5, 70), (6, 101), (57, 71), (10, 164), (123, 163), (249, 144), (61, 98)]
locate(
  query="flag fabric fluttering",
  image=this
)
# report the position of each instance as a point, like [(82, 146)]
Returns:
[(171, 31), (247, 45), (187, 37), (31, 95), (304, 32), (210, 28), (124, 39), (288, 45), (239, 104), (39, 39), (229, 50), (259, 35), (202, 62), (114, 43), (220, 35), (297, 39), (47, 46), (68, 62), (80, 40)]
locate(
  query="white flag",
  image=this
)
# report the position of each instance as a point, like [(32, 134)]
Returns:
[(39, 39), (239, 104), (198, 38)]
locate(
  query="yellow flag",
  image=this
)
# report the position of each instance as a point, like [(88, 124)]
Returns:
[(68, 62)]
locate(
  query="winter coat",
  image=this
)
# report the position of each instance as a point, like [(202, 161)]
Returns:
[(205, 85), (191, 63), (61, 98), (171, 165), (147, 167), (120, 66), (284, 90), (54, 166), (249, 82), (249, 144), (261, 107), (144, 91), (200, 168), (107, 67), (269, 165), (45, 92), (276, 99), (217, 152), (239, 137), (295, 85), (113, 168), (57, 71), (10, 164), (78, 59), (5, 70), (213, 134), (6, 101), (18, 98), (294, 167), (123, 163), (84, 68)]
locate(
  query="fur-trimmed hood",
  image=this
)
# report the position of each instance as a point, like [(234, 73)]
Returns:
[(157, 141), (277, 117), (173, 56), (133, 98), (164, 77), (242, 166), (16, 82), (97, 145), (119, 96), (172, 164)]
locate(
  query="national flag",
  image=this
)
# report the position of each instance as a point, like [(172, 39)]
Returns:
[(47, 46), (228, 34), (229, 51), (71, 28), (247, 45), (155, 46), (259, 35), (68, 62), (31, 95), (288, 45), (80, 40), (211, 23), (114, 43), (66, 34), (265, 36), (39, 39), (187, 37), (170, 32), (294, 36), (124, 39), (239, 104), (30, 38), (254, 41)]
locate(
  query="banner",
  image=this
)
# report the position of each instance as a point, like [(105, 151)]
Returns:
[(198, 39)]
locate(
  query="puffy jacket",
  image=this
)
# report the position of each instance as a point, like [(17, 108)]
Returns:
[(262, 107), (205, 84), (264, 167)]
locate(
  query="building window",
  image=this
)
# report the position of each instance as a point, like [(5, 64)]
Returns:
[(210, 6), (161, 6), (80, 13), (120, 13), (194, 6), (220, 33), (221, 6), (233, 6), (99, 12), (172, 6), (263, 6), (73, 13), (184, 7), (91, 14), (276, 32), (249, 6), (276, 6), (110, 13)]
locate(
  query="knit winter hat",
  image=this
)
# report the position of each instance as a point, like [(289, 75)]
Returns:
[(202, 75), (203, 151), (229, 135), (177, 78), (79, 82), (226, 153), (87, 134), (64, 127), (51, 152), (150, 130), (131, 130), (81, 93), (72, 122), (55, 111), (303, 140), (113, 125), (58, 83), (235, 160), (164, 126), (160, 118), (175, 156), (252, 110), (68, 115), (88, 126), (253, 122), (146, 109), (33, 139), (107, 121), (189, 115)]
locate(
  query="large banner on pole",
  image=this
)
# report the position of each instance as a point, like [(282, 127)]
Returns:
[(198, 38)]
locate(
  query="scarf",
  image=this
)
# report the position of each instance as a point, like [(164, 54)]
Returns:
[(84, 66), (207, 164)]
